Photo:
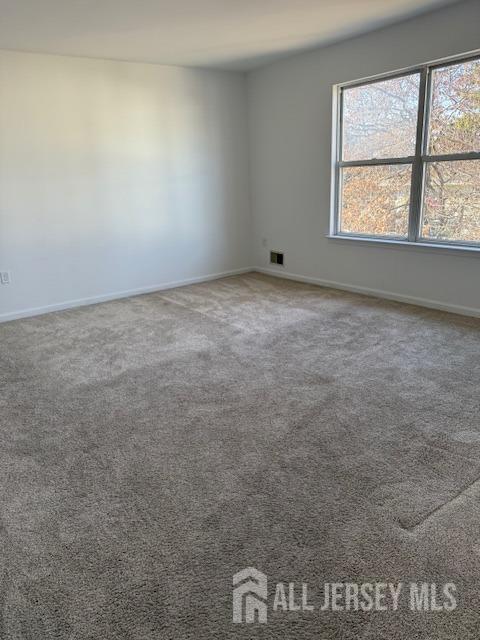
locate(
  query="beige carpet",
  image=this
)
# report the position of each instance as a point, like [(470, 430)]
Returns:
[(152, 447)]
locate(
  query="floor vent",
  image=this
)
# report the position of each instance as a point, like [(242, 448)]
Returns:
[(276, 257)]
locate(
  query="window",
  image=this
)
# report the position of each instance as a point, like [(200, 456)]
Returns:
[(407, 156)]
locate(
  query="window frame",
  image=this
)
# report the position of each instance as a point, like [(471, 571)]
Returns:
[(419, 161)]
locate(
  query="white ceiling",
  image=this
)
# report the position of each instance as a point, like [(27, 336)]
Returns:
[(237, 34)]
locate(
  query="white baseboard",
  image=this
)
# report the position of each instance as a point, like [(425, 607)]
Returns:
[(376, 293), (81, 302)]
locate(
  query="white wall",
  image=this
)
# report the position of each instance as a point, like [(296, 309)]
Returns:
[(117, 176), (290, 143), (120, 177)]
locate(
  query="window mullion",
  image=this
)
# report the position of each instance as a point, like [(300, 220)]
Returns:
[(375, 162), (416, 191), (452, 157)]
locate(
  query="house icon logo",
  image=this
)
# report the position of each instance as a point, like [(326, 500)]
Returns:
[(250, 596)]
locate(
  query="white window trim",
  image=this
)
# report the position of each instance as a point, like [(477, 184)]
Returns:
[(418, 161)]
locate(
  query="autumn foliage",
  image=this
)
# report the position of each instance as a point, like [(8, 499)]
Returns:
[(379, 121)]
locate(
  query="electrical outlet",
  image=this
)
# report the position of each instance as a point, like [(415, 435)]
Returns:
[(264, 242), (5, 277)]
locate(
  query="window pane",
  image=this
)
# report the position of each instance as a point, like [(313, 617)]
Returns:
[(380, 119), (375, 200), (451, 209), (454, 125)]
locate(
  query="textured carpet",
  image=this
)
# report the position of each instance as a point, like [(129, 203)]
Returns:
[(152, 447)]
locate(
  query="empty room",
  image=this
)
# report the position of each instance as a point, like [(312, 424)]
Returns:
[(239, 319)]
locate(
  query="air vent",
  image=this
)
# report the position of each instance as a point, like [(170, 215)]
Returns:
[(276, 257)]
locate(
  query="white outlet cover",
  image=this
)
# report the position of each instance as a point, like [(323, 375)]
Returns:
[(5, 277)]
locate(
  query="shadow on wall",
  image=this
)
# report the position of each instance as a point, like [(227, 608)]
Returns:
[(117, 176)]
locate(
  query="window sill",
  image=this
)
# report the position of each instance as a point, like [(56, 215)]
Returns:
[(436, 247)]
